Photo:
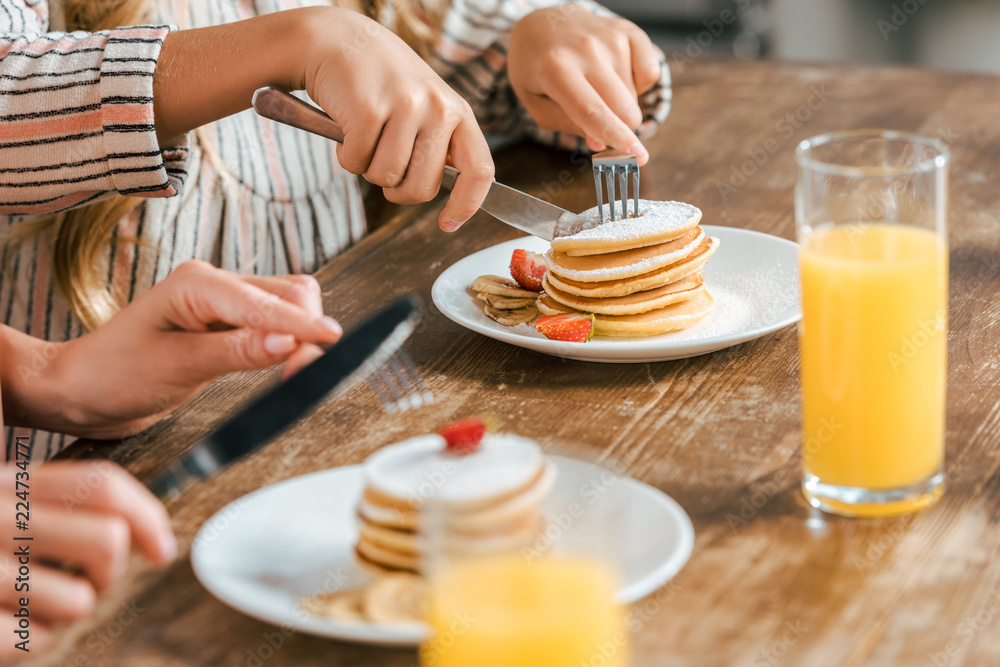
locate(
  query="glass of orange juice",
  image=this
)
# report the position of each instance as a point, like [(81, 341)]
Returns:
[(871, 216), (546, 601)]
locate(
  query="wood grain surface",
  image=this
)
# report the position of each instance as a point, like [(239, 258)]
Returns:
[(771, 581)]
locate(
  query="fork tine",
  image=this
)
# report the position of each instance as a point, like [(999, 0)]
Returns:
[(410, 398), (380, 393), (609, 177), (398, 385), (616, 166), (416, 391), (411, 372), (396, 402), (635, 189), (623, 189), (600, 192)]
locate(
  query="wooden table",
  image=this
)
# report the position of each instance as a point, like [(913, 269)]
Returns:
[(770, 581)]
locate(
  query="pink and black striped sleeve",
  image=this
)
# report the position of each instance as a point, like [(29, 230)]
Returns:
[(76, 116)]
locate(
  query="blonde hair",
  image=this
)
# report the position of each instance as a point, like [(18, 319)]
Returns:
[(79, 237)]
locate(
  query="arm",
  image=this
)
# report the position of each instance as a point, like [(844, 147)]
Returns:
[(76, 116), (199, 323), (401, 122), (205, 74)]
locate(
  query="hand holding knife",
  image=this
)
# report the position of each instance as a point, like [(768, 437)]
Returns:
[(354, 356), (517, 209)]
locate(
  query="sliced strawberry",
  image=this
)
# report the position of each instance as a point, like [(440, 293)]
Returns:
[(569, 327), (463, 437), (528, 268)]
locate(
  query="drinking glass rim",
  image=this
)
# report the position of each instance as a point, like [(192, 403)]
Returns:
[(936, 162)]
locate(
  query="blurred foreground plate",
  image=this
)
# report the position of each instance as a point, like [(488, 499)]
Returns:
[(266, 551)]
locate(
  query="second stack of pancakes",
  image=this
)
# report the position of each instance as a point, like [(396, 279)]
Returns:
[(492, 497), (640, 276)]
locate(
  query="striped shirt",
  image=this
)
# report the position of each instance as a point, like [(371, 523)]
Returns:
[(76, 126)]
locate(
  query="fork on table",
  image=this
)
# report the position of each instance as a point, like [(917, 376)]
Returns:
[(398, 384)]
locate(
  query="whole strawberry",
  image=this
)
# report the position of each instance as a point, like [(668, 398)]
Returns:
[(568, 327), (463, 437), (528, 268)]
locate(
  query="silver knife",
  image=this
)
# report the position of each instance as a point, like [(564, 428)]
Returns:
[(517, 209), (358, 353)]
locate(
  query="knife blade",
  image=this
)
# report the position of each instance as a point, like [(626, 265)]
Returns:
[(356, 354), (517, 209)]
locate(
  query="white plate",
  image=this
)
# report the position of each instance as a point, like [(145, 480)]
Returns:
[(266, 551), (754, 278)]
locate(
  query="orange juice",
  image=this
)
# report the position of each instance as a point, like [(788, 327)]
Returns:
[(873, 343), (505, 610)]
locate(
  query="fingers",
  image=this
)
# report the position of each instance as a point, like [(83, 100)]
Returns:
[(549, 115), (589, 111), (203, 295), (102, 487), (471, 155), (355, 154), (97, 544), (54, 595), (260, 309), (40, 636), (423, 175), (213, 354), (301, 289), (304, 355), (619, 96), (450, 128), (216, 353), (581, 73), (392, 155), (646, 58)]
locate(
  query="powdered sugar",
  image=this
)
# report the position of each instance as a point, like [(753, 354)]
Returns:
[(503, 464), (745, 301), (655, 217)]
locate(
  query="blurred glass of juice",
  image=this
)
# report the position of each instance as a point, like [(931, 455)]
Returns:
[(548, 598), (507, 610)]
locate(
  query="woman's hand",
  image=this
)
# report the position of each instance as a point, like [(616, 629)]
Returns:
[(582, 74), (195, 325), (84, 519), (401, 121)]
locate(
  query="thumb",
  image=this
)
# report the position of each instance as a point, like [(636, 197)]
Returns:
[(240, 350)]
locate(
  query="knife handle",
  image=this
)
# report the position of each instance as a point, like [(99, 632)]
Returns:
[(286, 108)]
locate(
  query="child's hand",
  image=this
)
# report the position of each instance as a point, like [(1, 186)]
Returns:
[(84, 520), (198, 323), (579, 73), (401, 121)]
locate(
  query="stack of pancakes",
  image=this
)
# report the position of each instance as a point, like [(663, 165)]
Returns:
[(640, 276), (490, 498)]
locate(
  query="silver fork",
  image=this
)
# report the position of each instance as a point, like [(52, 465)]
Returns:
[(398, 385), (616, 165)]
